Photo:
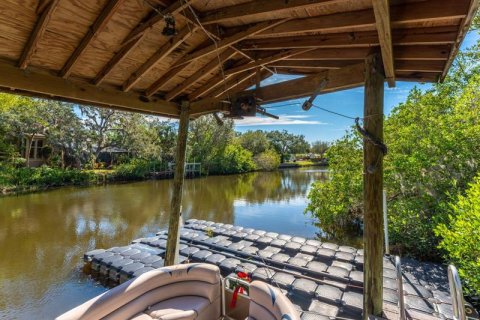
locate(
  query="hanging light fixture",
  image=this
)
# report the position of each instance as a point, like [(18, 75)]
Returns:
[(169, 29)]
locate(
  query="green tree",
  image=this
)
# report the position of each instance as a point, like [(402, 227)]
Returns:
[(167, 135), (254, 141), (65, 134), (234, 159), (287, 143), (434, 152), (25, 118), (461, 237), (207, 140), (103, 127), (268, 160), (319, 147), (139, 136)]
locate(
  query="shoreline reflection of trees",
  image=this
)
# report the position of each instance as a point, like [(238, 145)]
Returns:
[(44, 235)]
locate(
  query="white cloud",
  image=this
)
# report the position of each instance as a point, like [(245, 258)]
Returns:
[(284, 120)]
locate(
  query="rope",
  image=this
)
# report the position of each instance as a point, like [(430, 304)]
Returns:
[(369, 137), (214, 43)]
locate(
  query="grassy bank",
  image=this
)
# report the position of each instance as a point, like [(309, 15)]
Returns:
[(302, 163)]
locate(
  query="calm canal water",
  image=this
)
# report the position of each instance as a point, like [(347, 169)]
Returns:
[(44, 235)]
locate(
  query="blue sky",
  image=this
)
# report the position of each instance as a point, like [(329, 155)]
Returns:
[(319, 125)]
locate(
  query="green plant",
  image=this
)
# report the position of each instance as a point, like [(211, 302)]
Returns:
[(434, 147), (335, 201), (136, 169), (234, 159), (461, 237), (268, 160)]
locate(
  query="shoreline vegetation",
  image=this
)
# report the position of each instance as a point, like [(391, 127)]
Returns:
[(46, 144), (88, 178), (431, 175)]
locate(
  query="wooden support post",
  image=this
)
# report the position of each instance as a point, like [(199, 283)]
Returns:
[(373, 189), (171, 256)]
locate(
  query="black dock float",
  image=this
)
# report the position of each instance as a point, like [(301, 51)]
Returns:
[(323, 280)]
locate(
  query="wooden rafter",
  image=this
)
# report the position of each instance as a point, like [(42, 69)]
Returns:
[(207, 87), (135, 37), (216, 47), (262, 62), (381, 9), (313, 64), (233, 82), (161, 53), (435, 52), (176, 7), (46, 10), (116, 59), (345, 78), (43, 84), (430, 10), (259, 8), (252, 80), (462, 31), (163, 80), (400, 65), (201, 73), (417, 36), (214, 83), (226, 42), (97, 27), (341, 79)]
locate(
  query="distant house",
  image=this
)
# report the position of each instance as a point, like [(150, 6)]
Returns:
[(37, 156), (110, 155)]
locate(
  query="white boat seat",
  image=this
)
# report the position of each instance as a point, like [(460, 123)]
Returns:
[(187, 307), (269, 303), (181, 292)]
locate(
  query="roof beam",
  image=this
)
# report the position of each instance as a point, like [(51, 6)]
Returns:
[(344, 78), (430, 10), (417, 36), (201, 73), (43, 84), (462, 31), (381, 9), (434, 52), (260, 8), (97, 27), (161, 53), (234, 82), (229, 41), (400, 65), (265, 61), (155, 18), (211, 84), (163, 80), (135, 37), (309, 64), (47, 10), (418, 76)]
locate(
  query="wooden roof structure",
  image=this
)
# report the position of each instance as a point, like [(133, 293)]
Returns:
[(112, 52)]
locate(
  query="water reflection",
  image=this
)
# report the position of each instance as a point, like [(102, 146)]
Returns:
[(43, 235)]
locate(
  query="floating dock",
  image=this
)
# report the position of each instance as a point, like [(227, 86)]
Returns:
[(323, 280)]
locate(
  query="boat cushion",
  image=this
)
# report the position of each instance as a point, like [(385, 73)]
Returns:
[(267, 302), (187, 307), (141, 316)]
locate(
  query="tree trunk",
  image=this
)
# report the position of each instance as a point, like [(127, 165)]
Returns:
[(28, 148), (373, 188), (171, 256)]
